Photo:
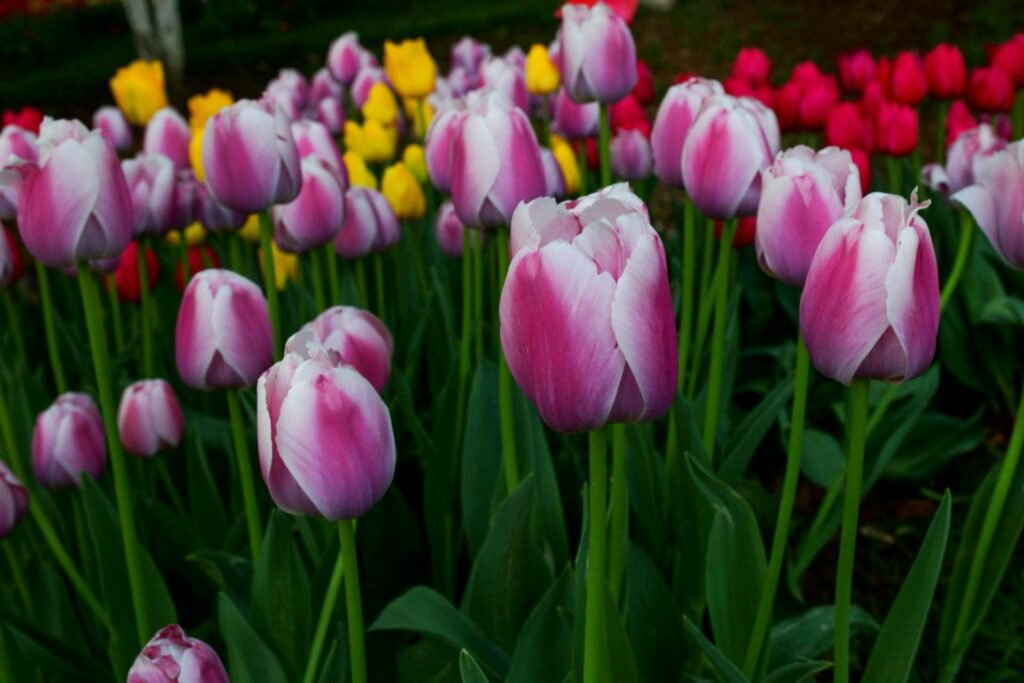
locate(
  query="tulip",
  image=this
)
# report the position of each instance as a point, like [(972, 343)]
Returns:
[(74, 205), (958, 121), (250, 158), (26, 118), (368, 76), (450, 231), (410, 68), (167, 133), (323, 86), (372, 141), (325, 438), (541, 71), (349, 336), (896, 129), (149, 418), (172, 657), (946, 71), (139, 90), (631, 155), (415, 160), (589, 277), (498, 75), (359, 174), (990, 90), (213, 215), (730, 141), (370, 224), (470, 54), (863, 163), (849, 127), (740, 88), (786, 104), (1010, 58), (13, 501), (627, 114), (553, 180), (752, 65), (403, 192), (114, 126), (313, 139), (331, 113), (344, 58), (572, 120), (11, 265), (597, 54), (996, 200), (437, 146), (316, 215), (817, 100), (566, 159), (496, 163), (907, 82), (201, 108), (746, 231), (151, 182), (68, 441), (223, 338), (802, 194), (870, 306), (290, 90), (380, 105), (126, 276), (198, 257), (856, 70), (675, 115), (966, 152), (16, 144)]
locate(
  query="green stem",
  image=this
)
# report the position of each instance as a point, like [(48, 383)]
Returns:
[(362, 289), (10, 443), (581, 160), (714, 396), (962, 252), (412, 233), (122, 487), (378, 281), (848, 539), (252, 512), (235, 253), (353, 601), (895, 166), (115, 316), (688, 235), (317, 275), (478, 297), (186, 268), (15, 322), (333, 278), (545, 119), (780, 542), (324, 621), (708, 284), (604, 145), (466, 335), (618, 554), (508, 426), (147, 332), (19, 576), (43, 277), (593, 650), (270, 278)]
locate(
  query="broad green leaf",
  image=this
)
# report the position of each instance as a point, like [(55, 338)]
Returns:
[(654, 621), (750, 432), (728, 670), (810, 635), (481, 455), (1004, 310), (249, 658), (61, 658), (470, 670), (648, 491), (798, 672), (934, 441), (823, 460), (544, 649)]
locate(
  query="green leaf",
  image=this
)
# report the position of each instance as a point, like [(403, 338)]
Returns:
[(798, 672), (470, 670), (544, 649), (810, 635), (653, 620), (934, 441), (426, 611), (209, 519), (1003, 310), (57, 656), (892, 658), (823, 460), (481, 455), (249, 658), (750, 432), (229, 572), (725, 667), (648, 491)]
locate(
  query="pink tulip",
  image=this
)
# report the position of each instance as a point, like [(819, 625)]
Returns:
[(908, 83), (597, 56), (213, 215), (16, 145), (450, 231), (74, 204), (168, 133), (870, 307), (151, 182), (470, 54), (849, 127), (630, 155), (149, 418), (290, 91), (223, 338), (323, 87), (856, 70), (68, 441), (589, 278), (183, 209), (114, 126), (10, 261), (250, 158), (802, 194), (314, 139), (369, 75), (502, 76), (330, 112), (961, 159), (496, 162), (317, 214), (344, 58), (996, 200), (676, 113), (325, 438), (437, 148), (554, 181), (349, 336), (896, 129), (752, 65), (991, 90), (572, 120), (13, 501), (172, 657), (370, 224)]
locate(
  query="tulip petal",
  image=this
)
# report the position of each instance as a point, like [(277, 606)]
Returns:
[(721, 157), (913, 298), (241, 322), (195, 339), (475, 159)]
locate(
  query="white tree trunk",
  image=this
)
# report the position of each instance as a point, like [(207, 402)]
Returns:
[(156, 26)]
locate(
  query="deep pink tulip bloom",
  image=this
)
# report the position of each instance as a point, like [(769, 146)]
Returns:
[(870, 306), (16, 145), (314, 139), (996, 200), (849, 127), (991, 90), (630, 155), (250, 158), (817, 99), (470, 54), (437, 148), (323, 86), (505, 77), (325, 438), (895, 129), (968, 150), (149, 418), (946, 71), (802, 194), (317, 214), (14, 501), (1010, 58), (856, 70), (370, 224), (451, 231), (908, 83), (752, 65), (114, 126), (223, 339), (349, 336), (74, 205), (331, 113), (676, 113), (168, 133), (588, 277), (151, 182), (172, 657), (344, 58), (572, 120), (213, 215), (68, 441), (597, 55)]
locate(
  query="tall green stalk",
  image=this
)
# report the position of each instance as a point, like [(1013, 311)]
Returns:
[(353, 601), (688, 235), (594, 626), (332, 272), (330, 599), (604, 146), (115, 317), (270, 279), (465, 336), (715, 378), (43, 278), (508, 426), (252, 512), (618, 555)]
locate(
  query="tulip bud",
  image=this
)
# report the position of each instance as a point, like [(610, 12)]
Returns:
[(323, 86), (139, 90), (26, 118), (908, 83), (13, 501), (149, 418), (817, 100), (330, 112), (870, 306), (541, 72), (567, 164), (589, 277), (627, 114), (597, 54), (1010, 58), (249, 157), (349, 336), (995, 200), (752, 65), (896, 129), (415, 160), (802, 194), (675, 115), (438, 145), (114, 126), (856, 70), (958, 121), (290, 90), (849, 127), (213, 215), (316, 215), (572, 120), (450, 231), (501, 77), (172, 657), (68, 441), (990, 90), (370, 224), (373, 141), (946, 71), (126, 276), (380, 105), (325, 438), (631, 155), (410, 68), (151, 182), (16, 145), (403, 192), (359, 174), (367, 77), (469, 54), (969, 149), (314, 139), (344, 58), (223, 338), (201, 108)]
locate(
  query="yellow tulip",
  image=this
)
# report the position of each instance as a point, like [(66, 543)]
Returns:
[(139, 90), (202, 107), (541, 73), (286, 266), (195, 153), (566, 159), (372, 141), (410, 68), (405, 195), (250, 230), (195, 234), (380, 105), (421, 113), (415, 160), (359, 175)]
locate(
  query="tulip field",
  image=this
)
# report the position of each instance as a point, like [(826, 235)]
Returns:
[(504, 363)]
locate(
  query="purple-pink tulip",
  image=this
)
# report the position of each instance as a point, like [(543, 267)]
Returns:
[(349, 336), (554, 181), (370, 224), (314, 139), (317, 214), (470, 54), (969, 149), (596, 54), (500, 75), (450, 231), (870, 306), (168, 133), (14, 501), (172, 657), (223, 338), (325, 439), (16, 145), (589, 279), (996, 201), (68, 441), (330, 112), (676, 113), (151, 182), (572, 120), (344, 58), (631, 155), (802, 194), (114, 126), (186, 189), (437, 149), (213, 215), (369, 75), (290, 91), (323, 86), (149, 418)]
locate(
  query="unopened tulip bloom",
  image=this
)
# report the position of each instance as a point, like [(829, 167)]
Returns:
[(114, 126), (675, 115), (223, 338), (151, 182), (13, 501), (68, 441), (172, 657), (589, 278), (1010, 58), (996, 201), (213, 215), (74, 205), (415, 160), (331, 113), (403, 192), (631, 155), (201, 108), (870, 306), (496, 163), (149, 418), (349, 336), (958, 121), (627, 114), (450, 231), (541, 71), (126, 276), (849, 127), (567, 163), (313, 139), (323, 86), (817, 100), (856, 70), (908, 83), (199, 258), (290, 90), (344, 58), (139, 90), (752, 65), (325, 439), (946, 71), (359, 174), (410, 68), (368, 76), (896, 129), (27, 118), (374, 142), (470, 54), (437, 147), (167, 133), (970, 148), (370, 224), (990, 90), (16, 145), (802, 194), (596, 54), (572, 120), (508, 79), (249, 157), (381, 105), (316, 215)]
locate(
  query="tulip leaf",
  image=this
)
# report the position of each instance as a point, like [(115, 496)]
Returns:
[(209, 520), (43, 650), (823, 460), (654, 621), (750, 432), (470, 671), (544, 648), (726, 668), (810, 635), (648, 491), (1001, 311), (892, 658), (249, 658), (798, 672), (481, 455)]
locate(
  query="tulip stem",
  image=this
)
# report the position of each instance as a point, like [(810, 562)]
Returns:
[(332, 273), (478, 297), (270, 278), (378, 282), (19, 577), (581, 161), (325, 619), (714, 395), (15, 326), (508, 423), (9, 442), (43, 277), (593, 644), (618, 555), (895, 166), (353, 601), (465, 338), (145, 304), (122, 487), (317, 275), (687, 229), (115, 317), (252, 513), (604, 148), (235, 253), (963, 251), (779, 543), (704, 307), (361, 288), (848, 539), (940, 133)]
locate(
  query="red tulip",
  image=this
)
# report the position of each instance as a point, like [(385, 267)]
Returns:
[(199, 258), (786, 104), (857, 69), (816, 103), (28, 118), (746, 228), (991, 89), (896, 129), (627, 114), (849, 126), (946, 71), (643, 91), (958, 120), (126, 276), (907, 82), (1010, 58), (741, 88), (752, 65)]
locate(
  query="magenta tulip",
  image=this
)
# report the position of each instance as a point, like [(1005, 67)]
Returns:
[(13, 501), (316, 215), (370, 224), (572, 120), (151, 182), (437, 148), (752, 65), (500, 75), (470, 54), (631, 155), (450, 231), (946, 71), (596, 54), (16, 145), (172, 657), (369, 75), (350, 336), (168, 133), (114, 126), (68, 441), (996, 200), (676, 113), (344, 58), (149, 418), (323, 86), (314, 139), (964, 154), (290, 91), (857, 69)]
